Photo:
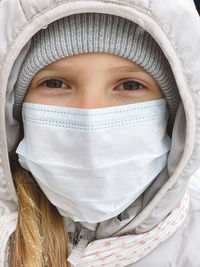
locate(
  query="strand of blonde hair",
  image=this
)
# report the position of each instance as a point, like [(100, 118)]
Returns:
[(40, 238)]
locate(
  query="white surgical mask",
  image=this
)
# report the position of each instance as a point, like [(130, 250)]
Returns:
[(93, 163)]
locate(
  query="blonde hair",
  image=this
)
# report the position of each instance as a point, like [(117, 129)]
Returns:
[(40, 238)]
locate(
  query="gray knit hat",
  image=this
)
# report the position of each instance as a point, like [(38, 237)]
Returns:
[(96, 32)]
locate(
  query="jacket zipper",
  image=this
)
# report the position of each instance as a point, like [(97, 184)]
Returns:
[(85, 236)]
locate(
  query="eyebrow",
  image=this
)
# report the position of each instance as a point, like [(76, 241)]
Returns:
[(112, 70), (125, 68)]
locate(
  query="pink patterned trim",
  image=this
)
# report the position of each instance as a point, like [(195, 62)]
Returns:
[(125, 250), (7, 227)]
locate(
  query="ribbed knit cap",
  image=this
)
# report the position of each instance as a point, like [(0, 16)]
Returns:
[(96, 32)]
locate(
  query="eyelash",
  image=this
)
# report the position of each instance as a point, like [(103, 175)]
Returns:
[(139, 85), (54, 80)]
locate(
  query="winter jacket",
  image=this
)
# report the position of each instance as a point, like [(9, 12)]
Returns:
[(174, 24)]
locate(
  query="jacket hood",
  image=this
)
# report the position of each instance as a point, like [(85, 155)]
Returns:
[(175, 27)]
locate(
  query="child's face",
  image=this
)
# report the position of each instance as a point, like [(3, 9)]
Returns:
[(92, 80)]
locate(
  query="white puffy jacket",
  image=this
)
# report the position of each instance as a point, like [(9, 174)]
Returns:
[(175, 25)]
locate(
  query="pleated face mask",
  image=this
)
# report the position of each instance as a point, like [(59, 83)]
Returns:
[(93, 163)]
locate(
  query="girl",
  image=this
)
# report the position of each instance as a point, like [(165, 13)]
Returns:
[(99, 138)]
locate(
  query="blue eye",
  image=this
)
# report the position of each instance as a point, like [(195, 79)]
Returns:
[(130, 85), (54, 83)]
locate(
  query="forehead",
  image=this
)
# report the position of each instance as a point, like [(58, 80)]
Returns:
[(111, 62)]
